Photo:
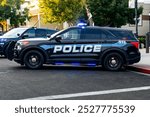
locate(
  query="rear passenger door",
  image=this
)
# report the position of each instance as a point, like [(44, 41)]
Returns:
[(93, 38)]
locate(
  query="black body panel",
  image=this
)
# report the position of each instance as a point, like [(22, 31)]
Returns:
[(88, 45)]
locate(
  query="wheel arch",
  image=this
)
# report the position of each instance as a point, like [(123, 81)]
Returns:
[(112, 50), (22, 54)]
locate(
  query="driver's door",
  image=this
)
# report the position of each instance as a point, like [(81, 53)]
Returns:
[(63, 50)]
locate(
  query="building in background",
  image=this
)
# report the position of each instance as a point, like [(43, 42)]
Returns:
[(144, 20), (36, 16)]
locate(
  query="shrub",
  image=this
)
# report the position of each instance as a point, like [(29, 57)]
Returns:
[(142, 40)]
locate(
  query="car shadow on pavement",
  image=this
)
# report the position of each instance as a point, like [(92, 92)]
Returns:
[(2, 57), (67, 67)]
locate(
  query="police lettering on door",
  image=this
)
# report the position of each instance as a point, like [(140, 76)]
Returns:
[(77, 49)]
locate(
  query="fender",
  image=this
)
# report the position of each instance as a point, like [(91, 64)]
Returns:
[(22, 53), (113, 49)]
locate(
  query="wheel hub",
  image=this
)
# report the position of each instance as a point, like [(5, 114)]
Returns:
[(113, 62), (34, 59)]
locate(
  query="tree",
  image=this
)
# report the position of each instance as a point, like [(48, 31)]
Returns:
[(11, 9), (61, 10), (113, 13), (2, 2)]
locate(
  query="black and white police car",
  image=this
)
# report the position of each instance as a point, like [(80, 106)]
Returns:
[(110, 47)]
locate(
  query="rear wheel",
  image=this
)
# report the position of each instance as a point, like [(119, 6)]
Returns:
[(33, 59), (113, 61)]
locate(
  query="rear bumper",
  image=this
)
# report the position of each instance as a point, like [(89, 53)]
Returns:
[(134, 59)]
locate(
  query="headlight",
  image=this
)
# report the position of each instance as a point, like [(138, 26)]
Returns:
[(23, 42), (18, 47), (1, 43), (3, 40)]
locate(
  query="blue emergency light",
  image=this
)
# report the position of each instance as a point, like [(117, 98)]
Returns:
[(82, 25)]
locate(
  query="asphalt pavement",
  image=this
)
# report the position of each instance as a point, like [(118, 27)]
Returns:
[(70, 83)]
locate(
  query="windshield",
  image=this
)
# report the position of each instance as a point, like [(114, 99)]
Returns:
[(13, 33), (53, 35)]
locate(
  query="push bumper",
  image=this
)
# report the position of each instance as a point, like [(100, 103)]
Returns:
[(18, 60)]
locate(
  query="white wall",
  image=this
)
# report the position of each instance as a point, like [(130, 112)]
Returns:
[(144, 27)]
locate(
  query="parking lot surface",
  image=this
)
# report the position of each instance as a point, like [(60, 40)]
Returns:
[(67, 82)]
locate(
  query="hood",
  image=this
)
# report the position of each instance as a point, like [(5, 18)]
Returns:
[(6, 39), (35, 39)]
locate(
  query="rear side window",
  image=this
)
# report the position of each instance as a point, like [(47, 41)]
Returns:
[(91, 34), (97, 34), (120, 34)]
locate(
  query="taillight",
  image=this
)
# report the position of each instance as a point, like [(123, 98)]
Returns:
[(135, 44)]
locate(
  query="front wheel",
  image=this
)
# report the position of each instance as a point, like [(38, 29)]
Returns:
[(113, 61), (33, 59)]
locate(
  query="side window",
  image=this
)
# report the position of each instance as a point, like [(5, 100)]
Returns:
[(71, 34), (40, 33), (103, 35), (123, 34), (96, 34), (30, 33), (92, 34), (110, 35)]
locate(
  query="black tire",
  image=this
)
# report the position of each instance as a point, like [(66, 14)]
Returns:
[(113, 61), (33, 59)]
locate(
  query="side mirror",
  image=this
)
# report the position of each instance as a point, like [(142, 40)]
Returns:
[(48, 35), (58, 39), (25, 36), (18, 35)]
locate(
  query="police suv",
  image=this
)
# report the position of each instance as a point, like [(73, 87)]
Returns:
[(22, 33), (110, 47)]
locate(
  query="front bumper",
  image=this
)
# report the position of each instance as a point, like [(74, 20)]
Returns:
[(16, 57), (18, 60), (1, 50)]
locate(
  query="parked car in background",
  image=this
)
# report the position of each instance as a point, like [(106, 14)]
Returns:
[(22, 33)]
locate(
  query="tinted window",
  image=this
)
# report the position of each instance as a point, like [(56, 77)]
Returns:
[(71, 34), (51, 31), (123, 34), (30, 33), (107, 35), (40, 33), (97, 34), (92, 34)]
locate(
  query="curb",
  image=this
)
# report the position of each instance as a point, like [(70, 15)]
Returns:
[(138, 68)]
